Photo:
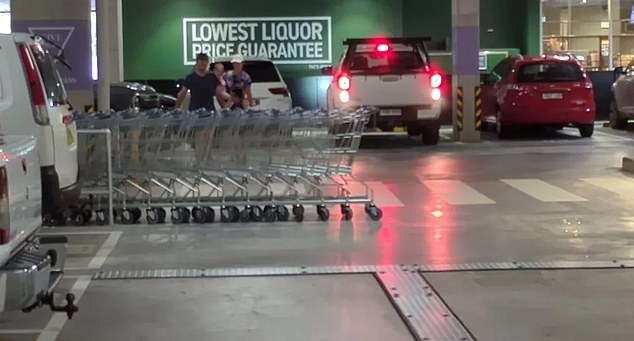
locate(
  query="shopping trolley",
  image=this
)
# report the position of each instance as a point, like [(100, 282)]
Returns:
[(249, 165)]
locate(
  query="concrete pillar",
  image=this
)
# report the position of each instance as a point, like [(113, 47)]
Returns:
[(103, 54), (66, 22), (115, 26), (466, 72)]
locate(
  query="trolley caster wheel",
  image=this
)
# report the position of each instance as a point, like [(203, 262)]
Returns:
[(227, 214), (100, 217), (346, 212), (87, 213), (199, 215), (51, 220), (127, 217), (162, 213), (152, 216), (282, 213), (323, 212), (245, 214), (256, 214), (79, 219), (298, 213), (136, 214), (235, 215), (373, 212), (116, 213), (210, 214), (270, 214), (180, 215)]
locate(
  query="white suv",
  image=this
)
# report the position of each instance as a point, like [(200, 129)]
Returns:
[(393, 74), (33, 102)]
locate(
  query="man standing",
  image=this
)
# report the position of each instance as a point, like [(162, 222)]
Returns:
[(239, 79), (202, 85)]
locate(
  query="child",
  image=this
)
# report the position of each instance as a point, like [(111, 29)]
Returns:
[(237, 98)]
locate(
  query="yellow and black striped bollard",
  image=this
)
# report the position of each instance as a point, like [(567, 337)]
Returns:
[(460, 108), (478, 108)]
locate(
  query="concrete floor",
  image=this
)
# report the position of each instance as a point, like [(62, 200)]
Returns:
[(544, 197)]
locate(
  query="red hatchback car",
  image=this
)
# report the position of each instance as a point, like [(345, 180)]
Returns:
[(540, 91)]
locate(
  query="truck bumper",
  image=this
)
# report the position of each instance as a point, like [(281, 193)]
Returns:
[(32, 275)]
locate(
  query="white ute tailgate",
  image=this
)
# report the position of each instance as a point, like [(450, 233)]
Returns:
[(392, 89)]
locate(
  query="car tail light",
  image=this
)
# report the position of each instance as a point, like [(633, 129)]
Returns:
[(5, 229), (383, 48), (435, 81), (344, 82), (344, 96), (279, 91), (435, 94), (38, 97)]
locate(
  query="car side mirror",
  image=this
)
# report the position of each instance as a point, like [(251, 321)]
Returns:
[(327, 71)]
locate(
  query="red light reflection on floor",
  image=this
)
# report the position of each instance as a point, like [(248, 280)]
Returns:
[(437, 221)]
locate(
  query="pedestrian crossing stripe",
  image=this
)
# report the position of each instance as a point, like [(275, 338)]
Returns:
[(621, 186), (542, 190)]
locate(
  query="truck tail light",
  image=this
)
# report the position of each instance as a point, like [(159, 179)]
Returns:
[(435, 94), (344, 82), (383, 48), (38, 97), (279, 91), (5, 229), (435, 81)]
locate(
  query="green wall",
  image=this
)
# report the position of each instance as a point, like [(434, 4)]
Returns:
[(153, 38)]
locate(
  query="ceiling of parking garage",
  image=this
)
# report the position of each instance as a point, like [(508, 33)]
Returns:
[(6, 4)]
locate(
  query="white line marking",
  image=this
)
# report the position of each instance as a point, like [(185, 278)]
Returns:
[(77, 233), (622, 186), (20, 331), (457, 193), (542, 191), (105, 250), (58, 320)]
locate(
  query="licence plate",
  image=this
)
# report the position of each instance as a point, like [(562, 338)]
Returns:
[(552, 95), (390, 112)]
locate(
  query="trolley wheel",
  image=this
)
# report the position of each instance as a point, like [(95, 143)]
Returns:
[(180, 215), (162, 214), (226, 215), (245, 214), (52, 220), (282, 213), (153, 216), (323, 212), (210, 214), (127, 217), (256, 214), (346, 212), (373, 212), (87, 213), (136, 214), (298, 213), (79, 219), (100, 217), (235, 215), (270, 214), (199, 215), (116, 213)]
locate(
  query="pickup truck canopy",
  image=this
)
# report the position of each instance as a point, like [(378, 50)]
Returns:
[(395, 40)]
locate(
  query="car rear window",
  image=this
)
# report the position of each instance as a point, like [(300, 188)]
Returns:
[(260, 71), (399, 57), (53, 82), (550, 72)]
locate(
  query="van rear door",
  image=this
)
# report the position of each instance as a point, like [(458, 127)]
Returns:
[(61, 120)]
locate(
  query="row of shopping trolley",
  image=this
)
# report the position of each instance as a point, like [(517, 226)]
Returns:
[(202, 166)]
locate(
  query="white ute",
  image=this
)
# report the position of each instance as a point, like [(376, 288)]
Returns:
[(394, 75), (31, 267), (34, 102)]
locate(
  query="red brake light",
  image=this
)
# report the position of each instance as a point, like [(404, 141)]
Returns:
[(5, 229), (33, 76), (383, 47), (279, 91), (435, 81), (344, 82)]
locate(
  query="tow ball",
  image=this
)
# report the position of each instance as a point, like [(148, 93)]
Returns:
[(69, 308)]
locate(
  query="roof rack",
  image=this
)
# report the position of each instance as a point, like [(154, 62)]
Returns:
[(395, 40)]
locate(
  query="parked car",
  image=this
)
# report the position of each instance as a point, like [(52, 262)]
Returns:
[(395, 75), (34, 102), (622, 105), (268, 86), (540, 91)]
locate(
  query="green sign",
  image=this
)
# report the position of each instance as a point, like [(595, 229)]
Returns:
[(285, 40)]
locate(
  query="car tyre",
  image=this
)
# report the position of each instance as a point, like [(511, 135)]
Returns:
[(616, 121), (431, 134), (586, 130)]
